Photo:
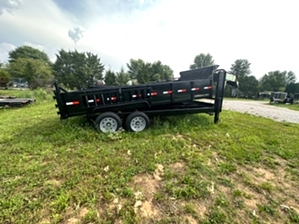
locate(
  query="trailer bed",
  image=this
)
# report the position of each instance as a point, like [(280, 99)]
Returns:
[(8, 101)]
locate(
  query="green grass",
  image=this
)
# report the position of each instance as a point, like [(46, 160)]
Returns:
[(241, 170), (40, 94), (245, 99), (289, 106)]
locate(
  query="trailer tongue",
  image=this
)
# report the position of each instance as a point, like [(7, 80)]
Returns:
[(134, 105)]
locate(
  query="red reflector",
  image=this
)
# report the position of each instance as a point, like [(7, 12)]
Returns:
[(113, 98), (167, 92), (154, 93), (98, 100), (75, 102), (182, 90), (208, 87)]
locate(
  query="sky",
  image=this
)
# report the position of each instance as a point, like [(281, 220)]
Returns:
[(173, 31)]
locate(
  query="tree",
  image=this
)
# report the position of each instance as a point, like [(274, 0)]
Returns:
[(202, 60), (146, 72), (122, 78), (36, 72), (110, 78), (248, 85), (160, 72), (4, 77), (291, 85), (30, 64), (292, 88), (167, 73), (274, 81), (139, 70), (77, 70), (94, 68), (291, 77), (241, 67), (29, 53)]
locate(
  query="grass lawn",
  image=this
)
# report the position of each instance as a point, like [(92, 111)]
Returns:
[(184, 169), (289, 106)]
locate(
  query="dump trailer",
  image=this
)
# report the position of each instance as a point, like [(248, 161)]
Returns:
[(111, 107)]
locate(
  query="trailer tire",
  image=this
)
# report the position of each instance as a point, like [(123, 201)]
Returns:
[(108, 122), (137, 121)]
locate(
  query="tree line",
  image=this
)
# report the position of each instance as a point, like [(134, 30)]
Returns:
[(76, 70), (249, 85), (273, 81)]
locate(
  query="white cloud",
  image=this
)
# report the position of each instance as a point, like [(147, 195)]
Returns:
[(7, 47), (36, 46), (40, 23), (4, 49), (10, 5), (76, 34)]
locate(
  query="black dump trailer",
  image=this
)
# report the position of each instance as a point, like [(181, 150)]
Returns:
[(133, 106)]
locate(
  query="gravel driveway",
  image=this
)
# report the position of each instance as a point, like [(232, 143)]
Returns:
[(262, 108)]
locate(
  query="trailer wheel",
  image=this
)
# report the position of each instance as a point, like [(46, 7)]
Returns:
[(108, 122), (137, 121)]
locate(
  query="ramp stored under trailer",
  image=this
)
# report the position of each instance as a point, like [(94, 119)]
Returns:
[(134, 105)]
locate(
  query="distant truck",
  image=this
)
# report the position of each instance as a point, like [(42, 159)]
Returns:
[(133, 106)]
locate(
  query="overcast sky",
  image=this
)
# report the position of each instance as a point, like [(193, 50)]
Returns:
[(265, 32)]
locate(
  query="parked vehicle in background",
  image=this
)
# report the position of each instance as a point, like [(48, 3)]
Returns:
[(281, 97)]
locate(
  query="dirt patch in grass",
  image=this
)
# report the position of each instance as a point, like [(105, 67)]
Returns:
[(145, 186), (258, 186), (54, 182), (214, 159), (44, 221), (189, 219), (176, 137), (200, 207), (251, 198), (225, 190), (76, 216), (263, 173), (178, 168)]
